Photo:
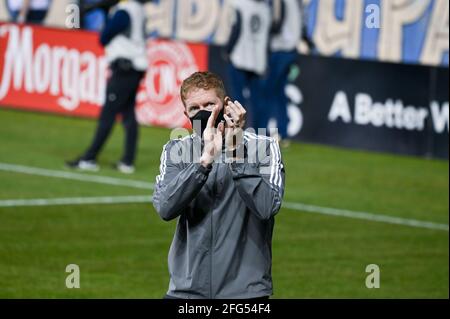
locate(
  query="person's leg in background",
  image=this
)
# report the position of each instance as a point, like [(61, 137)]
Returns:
[(115, 98), (117, 95), (280, 64), (240, 81), (261, 94), (130, 126), (266, 95), (126, 164)]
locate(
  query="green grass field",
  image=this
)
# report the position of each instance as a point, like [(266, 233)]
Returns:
[(121, 249)]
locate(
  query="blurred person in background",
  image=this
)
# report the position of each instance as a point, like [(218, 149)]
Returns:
[(93, 14), (28, 11), (125, 48), (248, 49), (286, 34)]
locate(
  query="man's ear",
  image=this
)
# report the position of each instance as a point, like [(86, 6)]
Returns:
[(225, 102)]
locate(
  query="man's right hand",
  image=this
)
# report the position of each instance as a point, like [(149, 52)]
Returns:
[(213, 139)]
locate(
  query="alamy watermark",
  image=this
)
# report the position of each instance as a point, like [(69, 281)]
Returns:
[(373, 17), (372, 20), (373, 279), (73, 19), (73, 279)]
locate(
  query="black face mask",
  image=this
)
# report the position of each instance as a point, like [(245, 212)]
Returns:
[(201, 119)]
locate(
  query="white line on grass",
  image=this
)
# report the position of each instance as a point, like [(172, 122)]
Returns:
[(75, 176), (143, 199), (365, 216), (75, 201)]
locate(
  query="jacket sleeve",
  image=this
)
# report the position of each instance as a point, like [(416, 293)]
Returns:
[(177, 184), (261, 184)]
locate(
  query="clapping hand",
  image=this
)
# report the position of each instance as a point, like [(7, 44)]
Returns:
[(235, 116), (212, 138)]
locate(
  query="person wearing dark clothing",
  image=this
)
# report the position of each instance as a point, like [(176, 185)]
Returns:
[(247, 49), (286, 35), (125, 46)]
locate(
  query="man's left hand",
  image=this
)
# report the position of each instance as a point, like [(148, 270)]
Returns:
[(235, 116)]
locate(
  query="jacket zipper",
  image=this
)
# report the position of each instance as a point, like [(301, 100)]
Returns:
[(212, 237), (210, 258)]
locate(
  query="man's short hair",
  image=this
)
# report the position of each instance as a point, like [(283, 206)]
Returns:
[(202, 80)]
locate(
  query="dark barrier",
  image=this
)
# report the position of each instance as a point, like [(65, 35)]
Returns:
[(376, 106)]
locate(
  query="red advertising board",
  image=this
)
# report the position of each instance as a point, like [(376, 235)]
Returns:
[(64, 71)]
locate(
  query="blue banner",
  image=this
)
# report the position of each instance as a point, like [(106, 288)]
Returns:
[(400, 31)]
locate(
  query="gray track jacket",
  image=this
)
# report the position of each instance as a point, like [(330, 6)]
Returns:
[(222, 247)]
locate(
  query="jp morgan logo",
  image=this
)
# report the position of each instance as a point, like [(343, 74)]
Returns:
[(38, 66), (159, 100)]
